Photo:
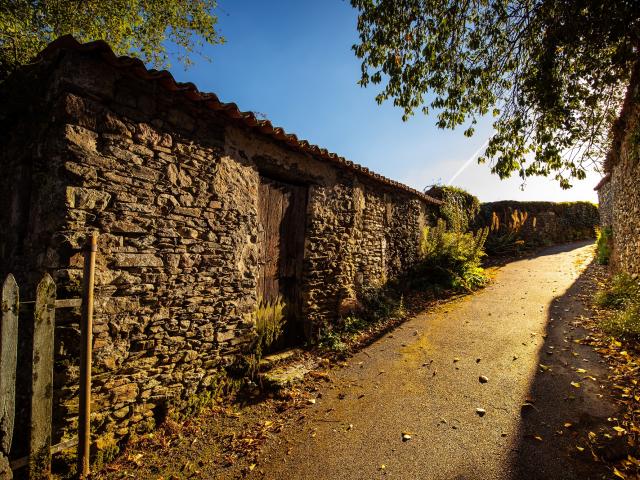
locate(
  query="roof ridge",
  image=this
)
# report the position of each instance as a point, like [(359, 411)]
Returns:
[(191, 91)]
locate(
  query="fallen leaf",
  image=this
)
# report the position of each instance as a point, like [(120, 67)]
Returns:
[(617, 473), (568, 425), (575, 384), (581, 370)]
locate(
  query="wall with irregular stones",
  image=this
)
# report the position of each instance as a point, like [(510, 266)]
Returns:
[(172, 188), (605, 203), (548, 223), (619, 196)]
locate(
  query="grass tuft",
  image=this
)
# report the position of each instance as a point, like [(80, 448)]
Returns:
[(604, 237), (623, 297)]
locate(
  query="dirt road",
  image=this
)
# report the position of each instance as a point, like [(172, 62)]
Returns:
[(424, 381)]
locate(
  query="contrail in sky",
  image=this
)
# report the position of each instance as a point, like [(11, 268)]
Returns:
[(468, 162)]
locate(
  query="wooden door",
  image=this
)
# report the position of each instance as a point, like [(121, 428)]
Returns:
[(282, 214)]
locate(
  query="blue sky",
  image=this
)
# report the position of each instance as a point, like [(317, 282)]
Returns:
[(292, 61)]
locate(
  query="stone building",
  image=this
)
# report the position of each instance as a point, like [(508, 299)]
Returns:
[(201, 209)]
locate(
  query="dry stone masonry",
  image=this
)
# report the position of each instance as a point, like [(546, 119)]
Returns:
[(548, 223), (618, 192), (170, 178)]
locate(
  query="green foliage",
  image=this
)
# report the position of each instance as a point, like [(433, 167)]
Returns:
[(452, 259), (623, 296), (269, 320), (140, 28), (553, 73), (332, 340), (459, 208), (624, 289), (505, 235), (625, 323), (604, 237), (378, 305)]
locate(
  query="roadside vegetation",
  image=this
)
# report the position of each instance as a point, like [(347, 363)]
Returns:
[(452, 259), (377, 309), (505, 236), (604, 237), (614, 332), (622, 298)]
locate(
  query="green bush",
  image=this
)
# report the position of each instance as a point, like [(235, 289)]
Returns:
[(269, 320), (452, 258), (623, 290), (505, 235), (624, 298), (604, 236), (333, 340), (377, 305), (624, 323)]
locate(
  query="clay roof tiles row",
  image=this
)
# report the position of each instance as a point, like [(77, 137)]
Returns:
[(211, 100)]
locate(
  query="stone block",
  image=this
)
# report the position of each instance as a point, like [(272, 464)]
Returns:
[(137, 260), (87, 198)]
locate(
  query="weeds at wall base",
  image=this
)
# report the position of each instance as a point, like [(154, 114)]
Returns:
[(604, 240), (622, 299)]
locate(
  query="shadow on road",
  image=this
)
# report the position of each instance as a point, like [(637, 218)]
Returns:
[(546, 447)]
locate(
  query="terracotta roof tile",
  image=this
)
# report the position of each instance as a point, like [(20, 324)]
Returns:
[(190, 91)]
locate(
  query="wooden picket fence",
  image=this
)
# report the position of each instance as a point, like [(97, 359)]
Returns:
[(39, 448)]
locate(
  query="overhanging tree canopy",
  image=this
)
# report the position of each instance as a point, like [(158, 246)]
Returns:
[(553, 72), (134, 27)]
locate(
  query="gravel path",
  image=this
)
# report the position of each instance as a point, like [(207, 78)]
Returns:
[(424, 381)]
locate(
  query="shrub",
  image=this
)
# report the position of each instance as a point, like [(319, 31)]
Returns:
[(505, 235), (452, 258), (269, 321), (624, 289), (624, 297), (624, 323), (333, 340), (377, 305), (604, 237)]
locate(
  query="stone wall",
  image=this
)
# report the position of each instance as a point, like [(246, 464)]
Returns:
[(548, 223), (172, 187), (618, 193), (605, 202)]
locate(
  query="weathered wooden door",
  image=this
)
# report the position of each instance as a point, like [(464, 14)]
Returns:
[(282, 214)]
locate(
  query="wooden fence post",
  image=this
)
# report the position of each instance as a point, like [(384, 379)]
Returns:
[(8, 357), (42, 380), (86, 333)]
